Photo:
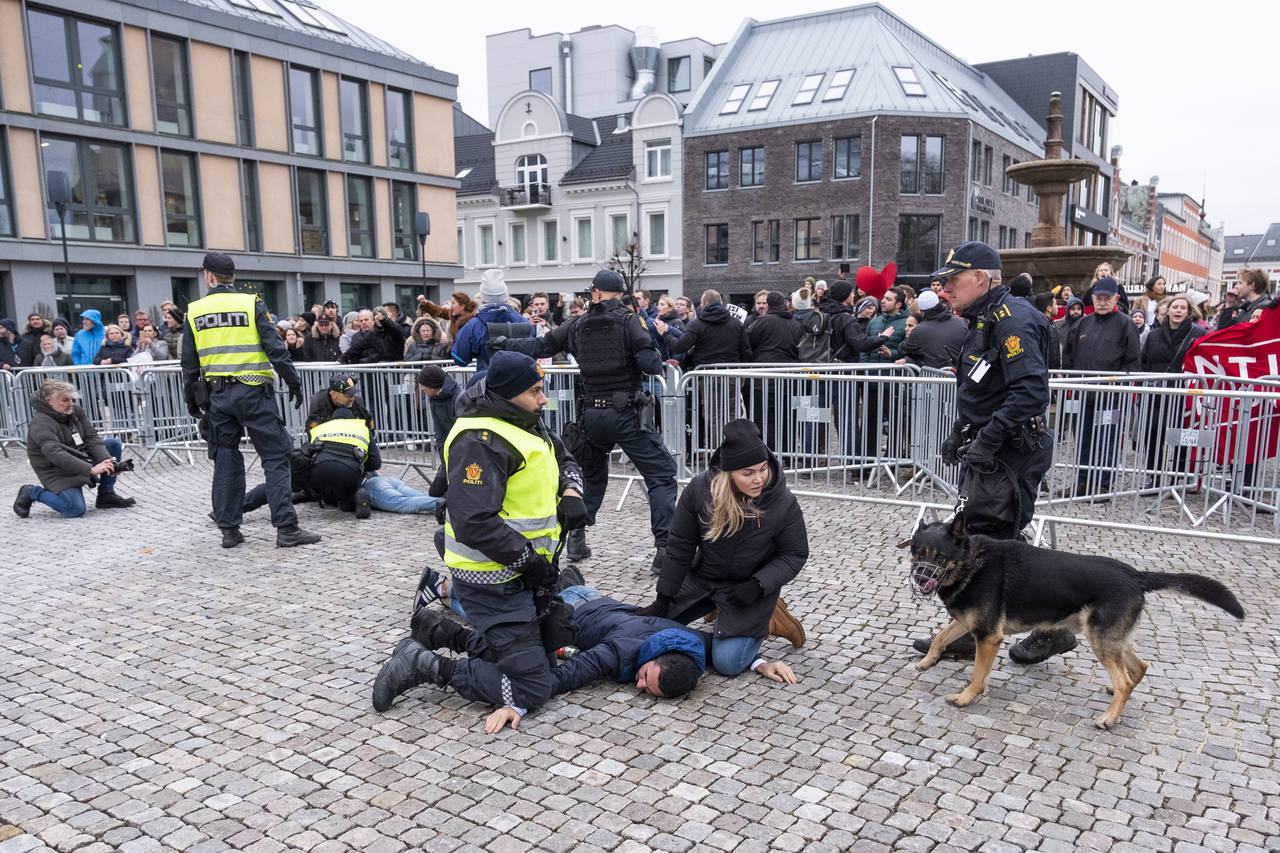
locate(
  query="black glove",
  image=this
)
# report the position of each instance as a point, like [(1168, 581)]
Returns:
[(194, 410), (660, 607), (572, 512), (535, 570), (745, 594), (981, 457), (295, 396), (440, 511), (497, 343), (951, 447)]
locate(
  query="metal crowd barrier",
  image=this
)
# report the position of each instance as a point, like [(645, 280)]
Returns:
[(10, 430)]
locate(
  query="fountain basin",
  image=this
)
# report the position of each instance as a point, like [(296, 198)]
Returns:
[(1037, 173), (1052, 266)]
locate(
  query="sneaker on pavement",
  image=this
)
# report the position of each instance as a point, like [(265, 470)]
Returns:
[(291, 537), (362, 503), (22, 503), (231, 537)]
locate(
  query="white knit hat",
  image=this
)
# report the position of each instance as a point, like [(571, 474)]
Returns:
[(800, 302), (493, 287), (927, 300)]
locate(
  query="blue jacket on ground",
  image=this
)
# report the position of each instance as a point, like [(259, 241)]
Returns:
[(472, 342), (87, 342)]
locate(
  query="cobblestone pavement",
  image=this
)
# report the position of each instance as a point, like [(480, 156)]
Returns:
[(159, 693)]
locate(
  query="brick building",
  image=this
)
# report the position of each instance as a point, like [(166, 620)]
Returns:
[(846, 137)]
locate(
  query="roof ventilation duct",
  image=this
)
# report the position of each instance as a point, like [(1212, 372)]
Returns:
[(644, 59)]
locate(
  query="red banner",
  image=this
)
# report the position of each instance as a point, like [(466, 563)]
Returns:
[(1241, 352)]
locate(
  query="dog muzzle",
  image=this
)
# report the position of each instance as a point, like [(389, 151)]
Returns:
[(925, 578)]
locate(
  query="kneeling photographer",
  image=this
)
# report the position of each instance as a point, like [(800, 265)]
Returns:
[(67, 454)]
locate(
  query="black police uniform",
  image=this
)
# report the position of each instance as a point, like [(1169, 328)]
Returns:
[(331, 470), (1003, 394), (614, 351), (234, 407)]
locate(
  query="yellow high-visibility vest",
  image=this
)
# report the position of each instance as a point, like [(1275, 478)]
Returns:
[(349, 431), (226, 339), (529, 507)]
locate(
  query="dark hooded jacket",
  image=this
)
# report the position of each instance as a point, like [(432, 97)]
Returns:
[(774, 336), (444, 411), (9, 355), (320, 347), (475, 502), (937, 339), (713, 337), (51, 442), (29, 345), (383, 343), (1166, 347), (849, 337), (322, 407), (87, 342), (117, 352), (772, 549), (1102, 342)]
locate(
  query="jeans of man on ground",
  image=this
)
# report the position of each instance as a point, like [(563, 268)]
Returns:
[(390, 494), (69, 503), (730, 656)]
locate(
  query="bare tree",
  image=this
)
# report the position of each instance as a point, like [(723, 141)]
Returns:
[(627, 262)]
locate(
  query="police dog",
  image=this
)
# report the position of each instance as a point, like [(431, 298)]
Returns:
[(991, 587)]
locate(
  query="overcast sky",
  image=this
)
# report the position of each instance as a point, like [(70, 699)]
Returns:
[(1199, 94)]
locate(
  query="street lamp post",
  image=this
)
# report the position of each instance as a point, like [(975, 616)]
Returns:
[(59, 197), (422, 225)]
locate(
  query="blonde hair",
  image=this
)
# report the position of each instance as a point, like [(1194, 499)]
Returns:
[(667, 301), (730, 509), (1193, 312)]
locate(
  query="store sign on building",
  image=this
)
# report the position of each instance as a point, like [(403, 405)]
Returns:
[(983, 204)]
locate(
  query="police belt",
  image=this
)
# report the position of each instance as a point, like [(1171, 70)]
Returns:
[(1023, 433), (222, 383), (620, 400)]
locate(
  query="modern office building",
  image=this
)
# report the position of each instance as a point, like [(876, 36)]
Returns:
[(267, 129), (1089, 105), (846, 137)]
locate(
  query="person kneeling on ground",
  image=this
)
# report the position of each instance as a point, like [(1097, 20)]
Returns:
[(66, 453), (737, 538)]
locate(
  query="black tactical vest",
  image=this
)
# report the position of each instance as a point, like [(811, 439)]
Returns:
[(604, 357)]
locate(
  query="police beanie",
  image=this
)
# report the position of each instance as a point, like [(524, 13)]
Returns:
[(511, 374), (742, 446), (431, 376)]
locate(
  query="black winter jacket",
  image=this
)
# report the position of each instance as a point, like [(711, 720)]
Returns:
[(1166, 346), (380, 344), (772, 549), (51, 438), (322, 407), (117, 352), (1102, 342), (937, 340), (444, 411), (29, 346), (713, 337), (774, 337), (322, 348)]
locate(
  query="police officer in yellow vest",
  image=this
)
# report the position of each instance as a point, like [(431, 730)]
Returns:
[(226, 377), (513, 490)]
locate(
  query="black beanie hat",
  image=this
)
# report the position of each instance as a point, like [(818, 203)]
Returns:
[(840, 291), (309, 316), (431, 376), (742, 446), (511, 374)]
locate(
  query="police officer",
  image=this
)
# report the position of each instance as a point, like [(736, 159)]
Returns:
[(512, 489), (226, 377), (614, 351), (1001, 403)]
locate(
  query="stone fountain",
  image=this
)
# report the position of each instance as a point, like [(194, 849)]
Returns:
[(1050, 261)]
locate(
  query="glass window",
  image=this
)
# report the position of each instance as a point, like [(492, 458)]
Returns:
[(105, 293), (933, 181), (909, 179), (354, 296), (619, 233), (181, 206), (657, 159), (717, 170), (764, 95), (540, 80), (808, 88), (461, 254), (360, 224), (172, 85), (585, 247), (76, 65), (399, 120), (258, 6), (404, 213), (550, 240), (718, 243), (973, 228), (657, 234), (101, 206), (848, 157), (758, 241), (984, 231), (6, 206), (808, 161), (252, 207), (243, 90), (845, 234), (484, 235), (737, 95), (518, 252), (919, 240), (304, 110), (839, 85), (975, 156), (678, 74), (1005, 162), (751, 167), (531, 171), (808, 240), (909, 82), (312, 216), (775, 240), (354, 97), (987, 156), (708, 62)]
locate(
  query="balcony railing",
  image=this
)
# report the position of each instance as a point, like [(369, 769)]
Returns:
[(525, 196)]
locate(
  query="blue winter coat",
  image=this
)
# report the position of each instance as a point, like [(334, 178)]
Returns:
[(472, 342), (87, 342)]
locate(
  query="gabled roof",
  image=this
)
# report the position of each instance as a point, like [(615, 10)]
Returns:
[(465, 125), (611, 159), (874, 43), (582, 129), (1269, 247), (473, 159), (1253, 248)]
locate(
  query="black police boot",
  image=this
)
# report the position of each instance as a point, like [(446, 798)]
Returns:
[(575, 548), (658, 557), (570, 575), (410, 665), (433, 630), (231, 537), (362, 503), (22, 503), (110, 500), (962, 648), (1042, 645), (291, 537)]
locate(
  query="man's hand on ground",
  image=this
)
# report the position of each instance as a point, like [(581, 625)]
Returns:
[(498, 720), (776, 670)]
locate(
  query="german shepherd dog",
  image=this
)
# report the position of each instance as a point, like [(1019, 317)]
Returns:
[(993, 587)]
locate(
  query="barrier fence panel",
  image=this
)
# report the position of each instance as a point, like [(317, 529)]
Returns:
[(111, 396)]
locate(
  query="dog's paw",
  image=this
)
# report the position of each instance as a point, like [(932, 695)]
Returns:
[(925, 663), (1104, 722), (960, 700)]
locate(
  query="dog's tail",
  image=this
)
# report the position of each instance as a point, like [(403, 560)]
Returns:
[(1199, 586)]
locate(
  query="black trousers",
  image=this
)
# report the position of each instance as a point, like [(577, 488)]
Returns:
[(232, 411)]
